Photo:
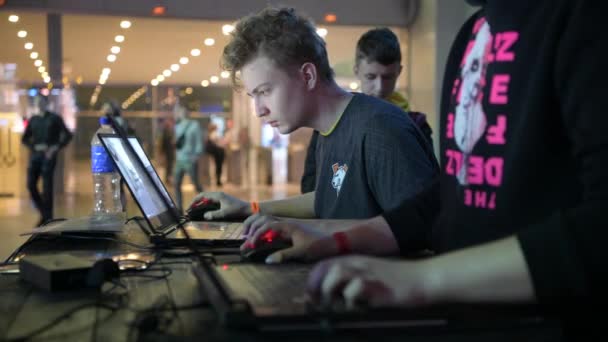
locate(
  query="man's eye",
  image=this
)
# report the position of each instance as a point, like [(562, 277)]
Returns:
[(370, 77)]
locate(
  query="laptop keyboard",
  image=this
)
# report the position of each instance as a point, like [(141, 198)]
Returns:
[(269, 284), (233, 232)]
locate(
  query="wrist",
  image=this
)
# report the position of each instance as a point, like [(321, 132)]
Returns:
[(432, 284), (342, 243), (254, 207)]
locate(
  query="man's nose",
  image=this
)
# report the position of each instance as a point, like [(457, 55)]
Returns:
[(260, 109)]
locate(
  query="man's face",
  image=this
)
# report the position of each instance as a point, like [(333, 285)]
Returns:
[(376, 79), (40, 104), (280, 97)]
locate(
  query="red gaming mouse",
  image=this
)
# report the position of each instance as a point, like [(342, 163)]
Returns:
[(269, 243), (198, 209)]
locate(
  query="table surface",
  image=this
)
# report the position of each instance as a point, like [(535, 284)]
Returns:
[(166, 298)]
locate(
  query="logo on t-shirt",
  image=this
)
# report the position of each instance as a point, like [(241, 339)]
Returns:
[(338, 177), (476, 124)]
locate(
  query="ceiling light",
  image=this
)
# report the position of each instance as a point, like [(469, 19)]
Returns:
[(330, 18), (125, 24), (34, 55), (41, 69), (167, 73), (195, 52), (44, 74), (226, 29), (225, 74), (47, 79), (175, 67), (38, 63), (189, 90), (115, 49), (214, 79), (111, 58), (354, 85), (205, 83), (322, 32), (159, 10), (13, 18), (28, 46), (160, 78), (154, 82), (22, 34), (209, 41), (184, 60), (106, 71), (102, 81), (119, 38)]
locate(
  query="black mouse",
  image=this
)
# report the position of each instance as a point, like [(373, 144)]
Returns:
[(197, 210), (268, 244)]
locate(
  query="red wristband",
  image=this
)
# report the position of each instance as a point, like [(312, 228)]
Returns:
[(255, 207), (342, 242)]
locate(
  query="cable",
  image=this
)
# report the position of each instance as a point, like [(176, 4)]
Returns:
[(166, 273), (61, 318)]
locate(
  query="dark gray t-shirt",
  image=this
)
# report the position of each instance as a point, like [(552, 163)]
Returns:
[(374, 159)]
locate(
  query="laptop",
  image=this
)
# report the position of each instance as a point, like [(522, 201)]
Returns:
[(161, 214), (273, 298)]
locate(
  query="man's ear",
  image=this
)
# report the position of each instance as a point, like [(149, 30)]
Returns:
[(309, 75)]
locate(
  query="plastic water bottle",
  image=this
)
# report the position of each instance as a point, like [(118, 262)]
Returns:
[(106, 179)]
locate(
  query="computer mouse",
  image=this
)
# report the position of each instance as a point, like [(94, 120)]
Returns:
[(268, 244), (198, 209)]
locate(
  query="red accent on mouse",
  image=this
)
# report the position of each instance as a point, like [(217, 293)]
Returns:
[(198, 209), (268, 243)]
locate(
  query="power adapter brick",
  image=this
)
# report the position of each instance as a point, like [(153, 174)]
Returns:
[(55, 272)]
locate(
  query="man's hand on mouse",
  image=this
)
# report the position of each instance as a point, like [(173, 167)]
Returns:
[(308, 243), (230, 207), (374, 281), (257, 221)]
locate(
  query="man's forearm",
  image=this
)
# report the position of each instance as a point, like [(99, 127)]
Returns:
[(494, 272), (301, 206), (371, 237), (330, 226)]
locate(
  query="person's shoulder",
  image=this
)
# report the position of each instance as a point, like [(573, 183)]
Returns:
[(55, 116), (369, 105), (399, 100)]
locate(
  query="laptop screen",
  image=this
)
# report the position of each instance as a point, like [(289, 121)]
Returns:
[(146, 194)]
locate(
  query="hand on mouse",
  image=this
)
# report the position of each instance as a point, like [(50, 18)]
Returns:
[(257, 221), (308, 243), (230, 207), (373, 281)]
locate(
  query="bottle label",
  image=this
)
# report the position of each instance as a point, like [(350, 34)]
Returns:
[(100, 160)]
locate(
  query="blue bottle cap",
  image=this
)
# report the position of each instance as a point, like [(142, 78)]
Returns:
[(104, 120)]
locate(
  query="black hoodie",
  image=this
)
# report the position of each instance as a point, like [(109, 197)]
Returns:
[(524, 145)]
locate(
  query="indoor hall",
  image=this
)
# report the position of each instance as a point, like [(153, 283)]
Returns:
[(147, 58)]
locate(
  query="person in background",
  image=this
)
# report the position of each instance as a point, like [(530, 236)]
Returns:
[(377, 67), (167, 146), (215, 146), (45, 135), (189, 148)]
